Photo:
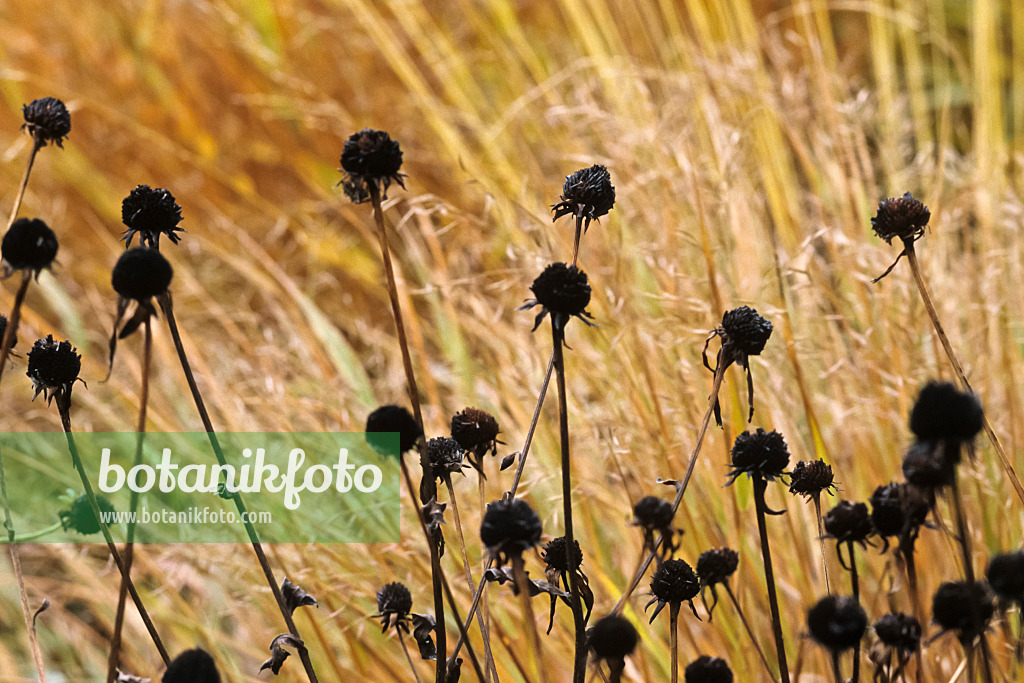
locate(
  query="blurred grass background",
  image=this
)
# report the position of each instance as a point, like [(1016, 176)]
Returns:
[(749, 142)]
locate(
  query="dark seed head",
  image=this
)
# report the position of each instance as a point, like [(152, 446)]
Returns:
[(392, 418), (674, 582), (47, 120), (943, 412), (745, 330), (896, 508), (899, 631), (811, 478), (53, 366), (394, 599), (80, 517), (903, 217), (141, 273), (929, 465), (837, 623), (3, 331), (588, 191), (848, 522), (474, 428), (192, 666), (964, 608), (1006, 576), (150, 212), (716, 566), (652, 513), (612, 638), (759, 454), (562, 289), (445, 455), (371, 156), (707, 669), (510, 527), (554, 555), (29, 244)]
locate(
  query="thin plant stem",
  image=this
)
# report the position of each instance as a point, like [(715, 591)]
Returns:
[(965, 549), (578, 235), (19, 577), (36, 146), (13, 319), (485, 611), (821, 540), (750, 631), (915, 597), (855, 585), (166, 305), (408, 658), (533, 427), (129, 546), (519, 572), (773, 602), (64, 408), (580, 659), (835, 667), (915, 268), (673, 642), (24, 538), (681, 489)]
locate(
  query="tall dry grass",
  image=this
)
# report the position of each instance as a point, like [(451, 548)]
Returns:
[(748, 141)]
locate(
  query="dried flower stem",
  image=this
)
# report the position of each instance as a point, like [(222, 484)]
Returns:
[(673, 642), (64, 408), (965, 550), (750, 631), (769, 576), (167, 307), (681, 488), (19, 577), (13, 319), (408, 658), (915, 268), (816, 497), (485, 611), (129, 552), (519, 572), (36, 146), (835, 668), (533, 427)]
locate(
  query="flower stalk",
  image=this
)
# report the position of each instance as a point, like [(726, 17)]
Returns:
[(10, 332), (760, 485)]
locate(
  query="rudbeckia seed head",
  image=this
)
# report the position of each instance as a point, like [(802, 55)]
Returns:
[(674, 582), (901, 632), (1006, 576), (587, 192), (150, 212), (474, 428), (848, 522), (759, 454), (811, 478), (707, 669), (717, 565), (554, 555), (562, 291), (392, 418), (370, 156), (510, 528), (612, 638), (653, 513), (445, 455), (394, 603), (192, 666), (964, 608), (837, 623), (141, 273), (29, 245), (943, 412), (930, 465), (903, 217), (47, 120), (53, 366), (745, 330)]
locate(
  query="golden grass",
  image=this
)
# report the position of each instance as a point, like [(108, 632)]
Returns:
[(748, 141)]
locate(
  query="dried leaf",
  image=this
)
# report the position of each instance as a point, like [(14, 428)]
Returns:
[(277, 652), (122, 677), (433, 516), (503, 575), (507, 461), (42, 608), (454, 670), (295, 597), (423, 626)]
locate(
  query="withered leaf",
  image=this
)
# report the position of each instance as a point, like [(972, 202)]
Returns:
[(503, 575), (122, 677), (454, 670), (277, 652), (433, 516), (295, 597), (507, 461), (423, 626), (42, 608)]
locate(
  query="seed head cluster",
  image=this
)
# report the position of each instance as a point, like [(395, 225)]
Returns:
[(811, 478), (759, 454), (29, 244), (903, 217), (837, 622), (149, 213), (588, 193), (561, 290), (396, 419), (46, 120), (141, 273), (707, 669), (53, 366), (510, 528), (370, 157)]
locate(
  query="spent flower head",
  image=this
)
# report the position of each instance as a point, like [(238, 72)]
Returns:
[(446, 456), (654, 515), (53, 368), (509, 528), (46, 120), (370, 158), (837, 623), (898, 510), (587, 193), (192, 666), (744, 333), (898, 631), (673, 583), (394, 603), (760, 455), (963, 607), (556, 556), (1005, 574), (396, 419), (477, 432), (903, 217), (812, 478), (714, 567), (140, 274), (150, 212), (561, 290), (707, 669), (611, 639), (29, 245), (944, 413)]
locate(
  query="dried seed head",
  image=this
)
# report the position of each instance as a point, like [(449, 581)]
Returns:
[(392, 418), (745, 331), (29, 245), (716, 566), (674, 582), (510, 528), (554, 555), (3, 331), (371, 156), (192, 666), (901, 632), (1006, 576), (80, 517), (943, 412), (150, 212), (53, 366), (612, 638), (930, 465), (759, 454), (811, 478), (562, 291), (903, 217), (141, 273), (653, 514), (394, 602), (896, 509), (848, 522), (475, 429), (707, 669), (47, 120), (587, 192), (837, 623), (964, 608), (445, 456)]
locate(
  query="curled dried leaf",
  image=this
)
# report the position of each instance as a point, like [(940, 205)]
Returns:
[(503, 575), (433, 517), (277, 652), (295, 597), (42, 608), (423, 626), (507, 461)]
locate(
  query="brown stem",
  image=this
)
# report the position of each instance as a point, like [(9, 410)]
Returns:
[(955, 362), (673, 641), (835, 667), (485, 612), (773, 602), (19, 577), (405, 649), (63, 399), (642, 568), (166, 305), (965, 550), (519, 572), (821, 540), (750, 631), (13, 319), (36, 146), (533, 427)]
